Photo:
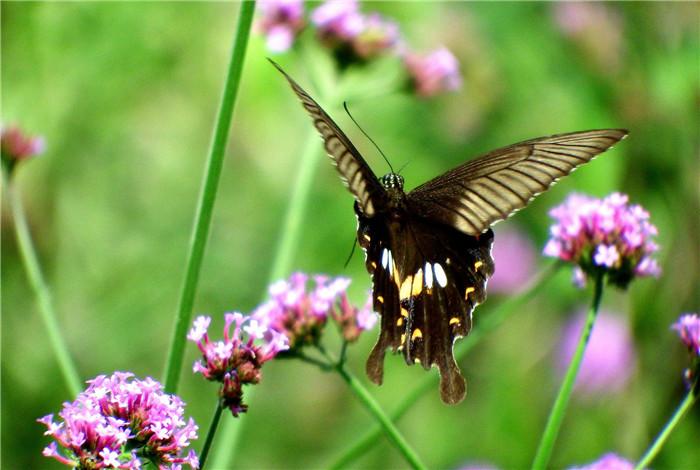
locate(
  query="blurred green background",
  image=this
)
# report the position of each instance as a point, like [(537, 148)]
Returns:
[(126, 94)]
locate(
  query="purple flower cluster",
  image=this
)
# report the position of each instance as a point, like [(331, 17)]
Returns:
[(353, 35), (357, 37), (301, 316), (280, 22), (604, 235), (609, 461), (234, 361), (16, 145), (122, 422), (688, 328), (610, 358)]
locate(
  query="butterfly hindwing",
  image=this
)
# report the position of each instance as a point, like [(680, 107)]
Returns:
[(354, 171), (427, 279), (475, 195)]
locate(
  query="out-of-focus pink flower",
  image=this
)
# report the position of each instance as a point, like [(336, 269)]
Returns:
[(608, 461), (610, 357), (595, 27), (352, 35), (433, 73), (235, 361), (280, 22), (514, 254), (604, 235), (16, 145), (118, 421)]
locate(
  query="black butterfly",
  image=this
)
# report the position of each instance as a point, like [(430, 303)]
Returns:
[(429, 251)]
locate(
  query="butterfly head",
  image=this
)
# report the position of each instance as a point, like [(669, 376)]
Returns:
[(392, 181)]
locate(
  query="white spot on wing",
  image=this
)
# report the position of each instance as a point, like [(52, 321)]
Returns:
[(385, 258), (428, 276), (440, 275)]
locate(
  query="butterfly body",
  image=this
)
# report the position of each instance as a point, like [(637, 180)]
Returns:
[(429, 250)]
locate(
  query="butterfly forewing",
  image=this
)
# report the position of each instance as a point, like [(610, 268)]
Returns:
[(353, 169), (475, 195)]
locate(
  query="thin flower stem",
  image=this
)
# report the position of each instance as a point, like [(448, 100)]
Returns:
[(41, 290), (210, 434), (205, 206), (556, 416), (376, 411), (486, 325), (661, 439)]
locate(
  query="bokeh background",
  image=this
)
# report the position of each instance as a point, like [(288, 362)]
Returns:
[(125, 95)]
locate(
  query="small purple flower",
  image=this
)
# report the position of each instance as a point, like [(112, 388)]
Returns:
[(608, 461), (433, 73), (234, 361), (609, 360), (688, 328), (16, 146), (515, 256), (280, 22), (378, 35), (604, 235), (301, 316), (118, 421), (338, 20)]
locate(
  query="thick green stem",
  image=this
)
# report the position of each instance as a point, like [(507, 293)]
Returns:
[(661, 439), (484, 326), (41, 290), (376, 411), (556, 416), (205, 206), (213, 426)]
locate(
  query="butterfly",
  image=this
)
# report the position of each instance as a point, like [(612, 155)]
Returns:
[(428, 251)]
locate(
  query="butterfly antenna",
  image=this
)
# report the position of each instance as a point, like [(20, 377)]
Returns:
[(345, 105), (352, 252), (404, 166)]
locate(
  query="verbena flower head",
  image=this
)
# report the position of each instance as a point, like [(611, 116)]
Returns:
[(688, 328), (604, 236), (17, 146), (515, 255), (301, 315), (122, 422), (609, 461), (280, 22), (235, 361), (353, 36), (610, 357), (434, 73)]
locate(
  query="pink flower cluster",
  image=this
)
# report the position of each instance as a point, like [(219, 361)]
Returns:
[(280, 22), (609, 461), (301, 316), (122, 422), (234, 361), (17, 145), (604, 235), (688, 328), (354, 36)]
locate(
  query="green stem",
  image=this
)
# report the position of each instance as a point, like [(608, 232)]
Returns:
[(556, 416), (210, 434), (41, 290), (376, 411), (484, 326), (661, 439), (291, 226), (205, 206)]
